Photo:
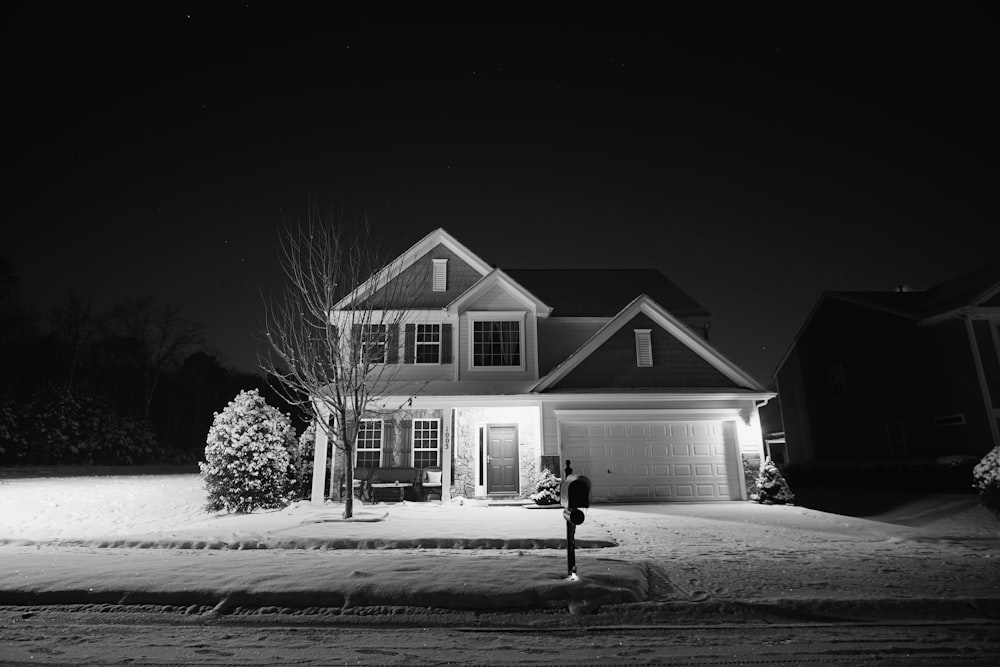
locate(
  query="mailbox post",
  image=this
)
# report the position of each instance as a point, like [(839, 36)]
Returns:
[(574, 495)]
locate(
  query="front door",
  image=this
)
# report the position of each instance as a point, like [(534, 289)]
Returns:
[(501, 461)]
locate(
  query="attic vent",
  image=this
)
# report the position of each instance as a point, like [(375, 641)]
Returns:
[(440, 282), (643, 347)]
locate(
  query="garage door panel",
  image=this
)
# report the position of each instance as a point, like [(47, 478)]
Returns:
[(649, 460)]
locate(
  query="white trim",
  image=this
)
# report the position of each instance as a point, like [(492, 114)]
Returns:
[(497, 278), (438, 237), (473, 316), (439, 279), (644, 414), (502, 400), (643, 304), (440, 343), (381, 442), (413, 440), (643, 348)]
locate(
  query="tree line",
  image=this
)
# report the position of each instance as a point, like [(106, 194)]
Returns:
[(127, 384)]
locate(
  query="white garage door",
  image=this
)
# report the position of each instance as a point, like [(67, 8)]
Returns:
[(651, 461)]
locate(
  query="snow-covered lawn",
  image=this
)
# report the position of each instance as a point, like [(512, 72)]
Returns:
[(465, 554)]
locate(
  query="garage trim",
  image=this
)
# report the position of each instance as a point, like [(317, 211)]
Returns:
[(726, 416)]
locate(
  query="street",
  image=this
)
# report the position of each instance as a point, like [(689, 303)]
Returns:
[(53, 637)]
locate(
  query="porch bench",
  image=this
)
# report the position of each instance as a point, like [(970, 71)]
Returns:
[(394, 484)]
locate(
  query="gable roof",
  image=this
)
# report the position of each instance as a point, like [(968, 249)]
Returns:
[(438, 237), (644, 304), (497, 277), (947, 299), (604, 292)]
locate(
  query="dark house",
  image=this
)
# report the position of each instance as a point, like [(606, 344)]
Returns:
[(896, 375)]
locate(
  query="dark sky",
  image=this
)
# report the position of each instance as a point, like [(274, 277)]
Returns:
[(755, 156)]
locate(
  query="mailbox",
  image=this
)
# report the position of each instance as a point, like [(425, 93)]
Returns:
[(575, 492)]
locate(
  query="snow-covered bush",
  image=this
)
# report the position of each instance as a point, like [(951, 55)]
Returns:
[(247, 465), (547, 489), (771, 485), (986, 478), (62, 427)]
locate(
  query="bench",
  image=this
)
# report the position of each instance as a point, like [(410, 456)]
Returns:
[(394, 484)]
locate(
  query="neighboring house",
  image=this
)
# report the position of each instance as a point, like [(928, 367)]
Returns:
[(896, 375), (500, 373)]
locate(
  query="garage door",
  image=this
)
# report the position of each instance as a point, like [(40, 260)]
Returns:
[(651, 461)]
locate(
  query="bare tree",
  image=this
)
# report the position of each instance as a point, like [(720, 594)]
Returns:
[(75, 324), (160, 335), (332, 335)]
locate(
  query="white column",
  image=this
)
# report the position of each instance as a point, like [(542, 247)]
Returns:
[(447, 447), (319, 466)]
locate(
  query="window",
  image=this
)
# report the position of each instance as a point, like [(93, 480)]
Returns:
[(838, 383), (427, 344), (496, 344), (890, 440), (373, 343), (950, 420), (439, 282), (643, 348), (369, 449), (426, 443)]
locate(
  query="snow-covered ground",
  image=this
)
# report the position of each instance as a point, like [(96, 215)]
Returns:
[(467, 555)]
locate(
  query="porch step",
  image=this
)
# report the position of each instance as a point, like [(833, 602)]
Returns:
[(512, 501)]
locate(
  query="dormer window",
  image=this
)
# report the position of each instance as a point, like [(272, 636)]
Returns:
[(439, 282), (643, 348)]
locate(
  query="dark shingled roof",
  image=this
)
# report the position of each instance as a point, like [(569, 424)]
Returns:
[(604, 292), (962, 291)]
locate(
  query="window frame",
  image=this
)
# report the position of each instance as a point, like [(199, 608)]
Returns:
[(366, 341), (417, 343), (498, 316), (381, 442), (414, 430)]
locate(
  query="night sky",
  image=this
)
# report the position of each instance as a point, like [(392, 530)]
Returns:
[(755, 156)]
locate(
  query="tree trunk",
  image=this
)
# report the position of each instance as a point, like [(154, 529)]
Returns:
[(348, 482)]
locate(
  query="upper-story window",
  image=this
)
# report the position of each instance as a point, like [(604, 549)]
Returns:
[(498, 342), (374, 339), (439, 281), (427, 344)]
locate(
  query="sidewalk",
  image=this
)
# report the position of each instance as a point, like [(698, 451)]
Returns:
[(668, 563)]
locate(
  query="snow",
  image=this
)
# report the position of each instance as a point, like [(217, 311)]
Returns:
[(930, 558)]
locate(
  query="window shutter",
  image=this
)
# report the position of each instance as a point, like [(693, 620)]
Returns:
[(409, 342), (643, 348), (406, 442), (445, 343), (392, 344)]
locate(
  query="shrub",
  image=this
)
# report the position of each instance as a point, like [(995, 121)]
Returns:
[(72, 427), (301, 456), (986, 478), (771, 485), (751, 469), (547, 489), (247, 465)]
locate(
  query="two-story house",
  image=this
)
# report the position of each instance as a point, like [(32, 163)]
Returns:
[(876, 376), (498, 373)]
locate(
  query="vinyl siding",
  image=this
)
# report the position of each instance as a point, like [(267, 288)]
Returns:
[(418, 278), (613, 365)]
